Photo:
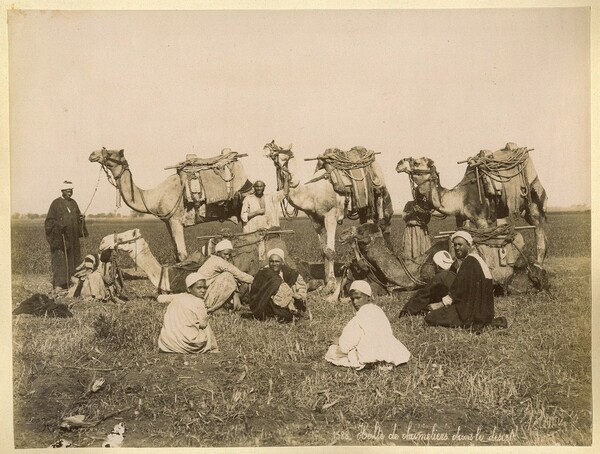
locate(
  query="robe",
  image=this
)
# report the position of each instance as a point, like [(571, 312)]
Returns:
[(415, 238), (62, 222), (472, 294), (185, 327), (433, 292), (264, 221), (279, 295), (367, 338), (222, 279)]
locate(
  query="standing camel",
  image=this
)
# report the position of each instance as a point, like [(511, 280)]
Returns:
[(165, 201), (324, 206), (478, 199)]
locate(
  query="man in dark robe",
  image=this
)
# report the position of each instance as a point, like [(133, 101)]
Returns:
[(437, 287), (64, 226), (470, 301), (278, 291)]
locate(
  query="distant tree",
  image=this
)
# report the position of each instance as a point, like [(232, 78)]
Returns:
[(16, 216)]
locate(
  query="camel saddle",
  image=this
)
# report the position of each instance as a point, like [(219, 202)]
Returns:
[(211, 180), (352, 175), (508, 174)]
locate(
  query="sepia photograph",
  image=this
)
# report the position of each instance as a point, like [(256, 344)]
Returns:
[(267, 225)]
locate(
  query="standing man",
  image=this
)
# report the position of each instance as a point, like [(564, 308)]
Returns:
[(64, 226), (254, 210), (415, 239)]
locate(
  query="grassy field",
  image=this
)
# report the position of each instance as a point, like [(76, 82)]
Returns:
[(527, 385)]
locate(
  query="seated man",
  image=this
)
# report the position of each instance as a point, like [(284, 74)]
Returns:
[(435, 289), (368, 336), (185, 326), (222, 278), (87, 280), (277, 291), (97, 279), (470, 300)]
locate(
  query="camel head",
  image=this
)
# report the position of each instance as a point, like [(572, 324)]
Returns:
[(109, 158), (415, 166), (125, 241), (363, 233), (281, 157)]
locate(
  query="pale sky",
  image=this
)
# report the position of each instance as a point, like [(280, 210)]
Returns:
[(161, 84)]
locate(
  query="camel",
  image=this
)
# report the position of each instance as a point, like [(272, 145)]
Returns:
[(387, 272), (137, 248), (165, 201), (171, 278), (321, 203), (380, 264), (476, 199)]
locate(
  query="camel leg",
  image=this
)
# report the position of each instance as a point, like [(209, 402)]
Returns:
[(535, 218), (175, 229), (330, 226), (320, 226), (385, 217)]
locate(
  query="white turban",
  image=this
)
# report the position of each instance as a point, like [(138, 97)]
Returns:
[(223, 245), (361, 286), (443, 259), (276, 251), (66, 185), (92, 259), (191, 279), (462, 234)]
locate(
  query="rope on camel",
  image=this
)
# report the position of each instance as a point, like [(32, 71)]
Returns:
[(341, 161), (498, 236), (493, 167)]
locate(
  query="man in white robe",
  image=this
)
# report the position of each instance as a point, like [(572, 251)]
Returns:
[(368, 336), (259, 210), (223, 278), (185, 325)]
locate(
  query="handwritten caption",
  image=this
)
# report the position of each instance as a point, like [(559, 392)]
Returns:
[(375, 433)]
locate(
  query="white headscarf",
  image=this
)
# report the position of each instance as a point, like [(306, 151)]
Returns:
[(361, 286), (66, 185), (223, 245), (462, 234), (276, 251), (191, 279), (443, 259)]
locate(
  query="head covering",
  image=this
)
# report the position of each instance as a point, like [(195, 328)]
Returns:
[(223, 245), (511, 146), (361, 286), (443, 259), (462, 234), (259, 183), (276, 251), (66, 185), (191, 279), (91, 258)]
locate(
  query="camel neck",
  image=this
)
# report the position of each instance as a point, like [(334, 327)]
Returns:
[(141, 255), (131, 194)]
